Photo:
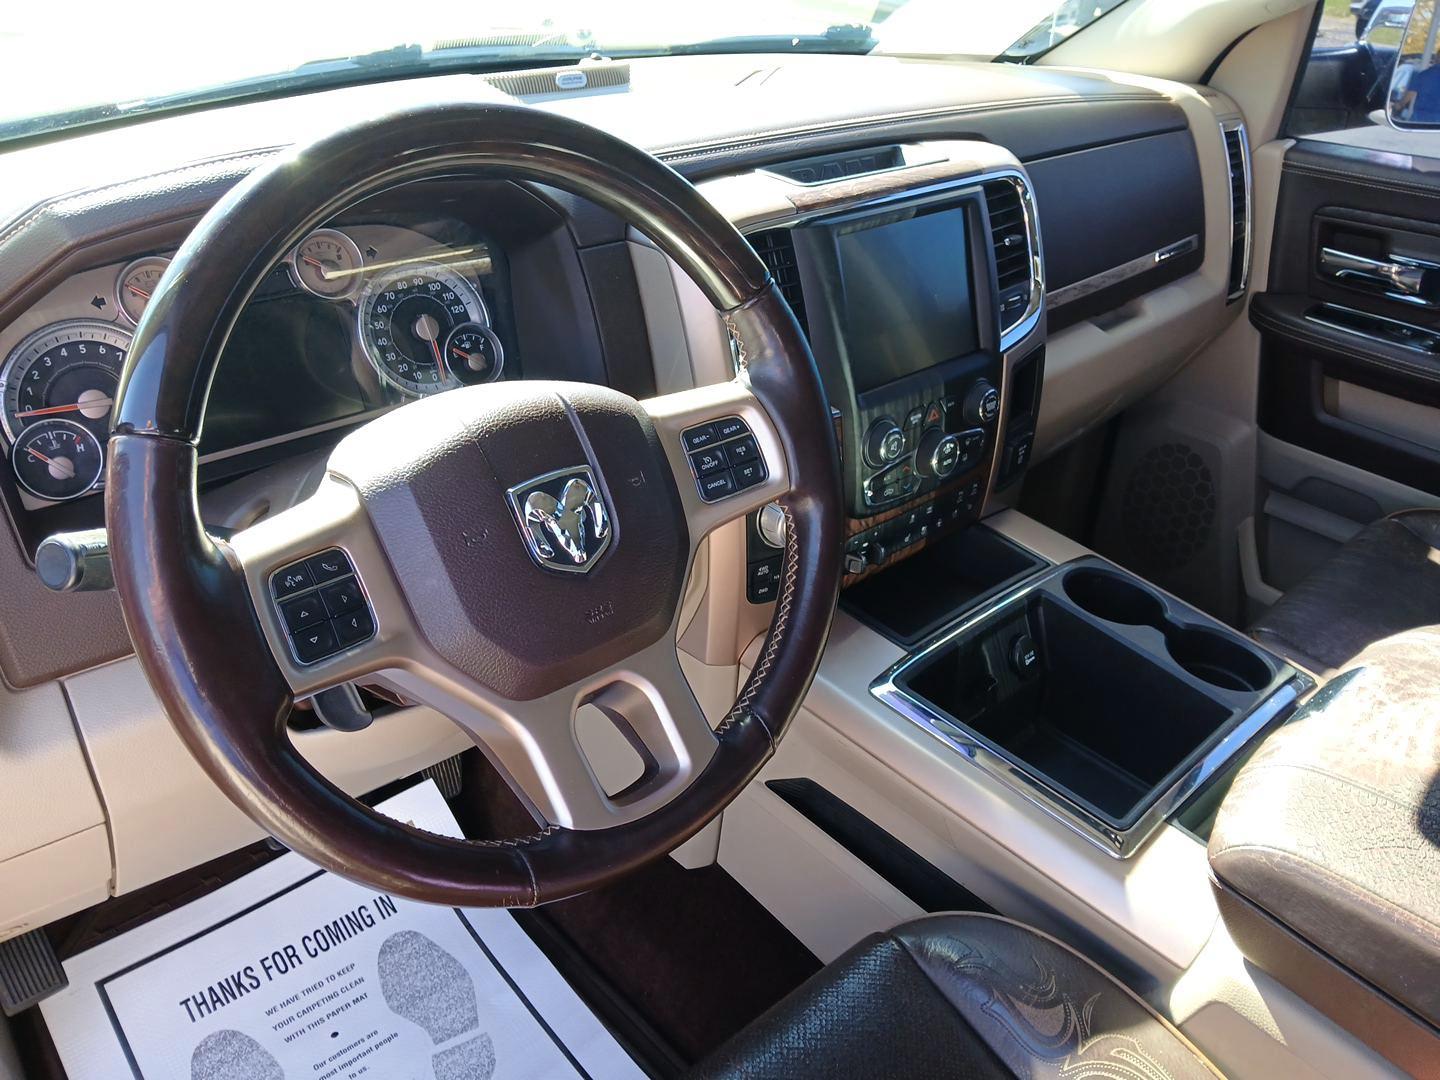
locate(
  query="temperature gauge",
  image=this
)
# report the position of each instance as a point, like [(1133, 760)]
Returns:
[(473, 354), (57, 460), (136, 284), (328, 264)]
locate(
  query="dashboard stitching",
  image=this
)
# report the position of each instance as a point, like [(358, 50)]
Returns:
[(51, 205), (777, 632), (691, 151), (1360, 179)]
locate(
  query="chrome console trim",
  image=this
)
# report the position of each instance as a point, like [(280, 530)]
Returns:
[(979, 752), (1124, 272)]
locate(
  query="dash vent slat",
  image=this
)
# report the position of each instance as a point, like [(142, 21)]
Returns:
[(776, 248), (1238, 158)]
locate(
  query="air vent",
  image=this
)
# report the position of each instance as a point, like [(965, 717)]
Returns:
[(1010, 237), (1237, 149), (823, 169), (776, 248)]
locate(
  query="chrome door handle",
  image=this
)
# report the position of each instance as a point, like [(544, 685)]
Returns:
[(1411, 280)]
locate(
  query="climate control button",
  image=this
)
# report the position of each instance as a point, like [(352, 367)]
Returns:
[(884, 442), (937, 455)]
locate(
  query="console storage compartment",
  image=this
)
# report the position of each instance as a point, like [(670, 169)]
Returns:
[(1107, 699)]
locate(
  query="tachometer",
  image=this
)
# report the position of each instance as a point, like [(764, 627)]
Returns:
[(57, 460), (406, 313), (65, 370)]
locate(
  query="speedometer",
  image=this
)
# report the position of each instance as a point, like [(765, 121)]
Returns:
[(406, 313), (67, 371)]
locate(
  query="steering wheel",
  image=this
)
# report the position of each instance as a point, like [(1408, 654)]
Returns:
[(445, 510)]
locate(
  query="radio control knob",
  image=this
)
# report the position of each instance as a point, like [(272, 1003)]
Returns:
[(884, 442), (981, 404), (937, 455)]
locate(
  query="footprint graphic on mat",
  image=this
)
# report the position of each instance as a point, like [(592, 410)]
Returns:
[(424, 984), (233, 1055)]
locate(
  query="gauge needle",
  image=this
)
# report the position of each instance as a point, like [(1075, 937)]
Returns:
[(435, 348), (37, 454), (74, 406), (138, 292), (324, 273)]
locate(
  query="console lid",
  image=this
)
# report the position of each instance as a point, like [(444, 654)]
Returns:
[(1326, 852)]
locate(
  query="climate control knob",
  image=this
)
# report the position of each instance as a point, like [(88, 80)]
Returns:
[(884, 442), (981, 404), (937, 455)]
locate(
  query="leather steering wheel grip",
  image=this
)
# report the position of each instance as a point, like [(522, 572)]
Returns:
[(185, 600)]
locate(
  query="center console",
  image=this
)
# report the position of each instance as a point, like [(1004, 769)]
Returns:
[(1095, 696), (922, 307)]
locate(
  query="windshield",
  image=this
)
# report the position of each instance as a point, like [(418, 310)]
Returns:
[(80, 64)]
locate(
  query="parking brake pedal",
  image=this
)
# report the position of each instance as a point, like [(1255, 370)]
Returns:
[(29, 972)]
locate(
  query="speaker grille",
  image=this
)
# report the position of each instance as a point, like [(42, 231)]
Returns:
[(1168, 512)]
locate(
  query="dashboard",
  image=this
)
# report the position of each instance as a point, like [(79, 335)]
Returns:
[(356, 320), (849, 175)]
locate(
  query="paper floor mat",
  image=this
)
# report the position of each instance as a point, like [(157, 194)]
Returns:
[(292, 973)]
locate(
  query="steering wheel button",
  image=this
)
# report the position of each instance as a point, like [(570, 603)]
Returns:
[(697, 438), (743, 450), (302, 611), (352, 628), (328, 565), (717, 486), (342, 597), (709, 462), (314, 643), (748, 475), (731, 427), (291, 580)]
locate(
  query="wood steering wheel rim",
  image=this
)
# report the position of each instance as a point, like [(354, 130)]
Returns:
[(198, 610)]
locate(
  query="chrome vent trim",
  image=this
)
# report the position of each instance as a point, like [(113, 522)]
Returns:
[(1237, 153), (1015, 240)]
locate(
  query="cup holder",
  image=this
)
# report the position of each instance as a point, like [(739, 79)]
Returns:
[(1112, 598), (1219, 660)]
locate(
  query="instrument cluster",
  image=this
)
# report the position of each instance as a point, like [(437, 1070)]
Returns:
[(417, 314)]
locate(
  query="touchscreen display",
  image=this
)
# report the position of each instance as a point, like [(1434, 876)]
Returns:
[(908, 301)]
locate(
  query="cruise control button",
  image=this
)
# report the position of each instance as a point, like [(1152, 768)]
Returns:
[(328, 565), (343, 597), (291, 580), (730, 427), (302, 611), (748, 475), (708, 462), (697, 438), (314, 643), (717, 486), (743, 450), (357, 626)]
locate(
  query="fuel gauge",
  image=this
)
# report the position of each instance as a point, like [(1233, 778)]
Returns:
[(473, 354)]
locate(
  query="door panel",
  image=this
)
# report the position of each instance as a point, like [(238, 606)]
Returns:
[(1350, 354)]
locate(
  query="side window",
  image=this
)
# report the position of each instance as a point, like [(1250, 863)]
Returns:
[(1347, 74)]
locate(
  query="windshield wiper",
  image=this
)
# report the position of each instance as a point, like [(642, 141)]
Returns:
[(461, 54), (854, 38), (322, 74)]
